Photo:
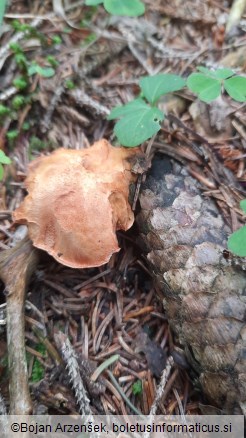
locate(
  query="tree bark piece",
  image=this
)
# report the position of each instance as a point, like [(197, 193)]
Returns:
[(204, 294), (16, 266)]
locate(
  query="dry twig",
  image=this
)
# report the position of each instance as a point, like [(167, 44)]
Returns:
[(71, 361)]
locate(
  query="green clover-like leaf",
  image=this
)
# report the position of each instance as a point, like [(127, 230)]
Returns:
[(223, 73), (138, 122), (205, 70), (243, 205), (4, 159), (236, 88), (207, 88), (32, 69), (237, 242), (220, 73), (46, 72), (129, 8), (153, 87)]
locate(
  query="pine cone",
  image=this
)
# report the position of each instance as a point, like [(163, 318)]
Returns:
[(204, 294)]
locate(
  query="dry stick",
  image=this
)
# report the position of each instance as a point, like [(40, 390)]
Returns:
[(71, 360), (159, 392), (83, 98), (16, 266)]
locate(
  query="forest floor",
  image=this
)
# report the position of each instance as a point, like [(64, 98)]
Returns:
[(89, 62)]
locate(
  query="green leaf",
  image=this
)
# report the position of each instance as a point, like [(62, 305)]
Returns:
[(93, 2), (21, 59), (4, 110), (4, 159), (1, 172), (17, 102), (243, 205), (2, 10), (46, 72), (56, 39), (137, 387), (20, 83), (236, 88), (221, 73), (237, 242), (52, 61), (138, 122), (12, 134), (129, 8), (207, 88), (32, 69), (153, 87), (205, 70)]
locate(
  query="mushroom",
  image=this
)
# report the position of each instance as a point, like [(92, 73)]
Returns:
[(77, 200)]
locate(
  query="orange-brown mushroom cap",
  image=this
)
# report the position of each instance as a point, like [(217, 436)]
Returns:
[(76, 201)]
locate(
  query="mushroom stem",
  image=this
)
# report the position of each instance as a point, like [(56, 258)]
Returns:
[(16, 267)]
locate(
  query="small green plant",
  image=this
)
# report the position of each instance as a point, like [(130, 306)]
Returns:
[(38, 370), (12, 134), (20, 27), (3, 160), (17, 102), (26, 126), (140, 119), (52, 61), (208, 84), (237, 240), (4, 110), (20, 83), (56, 39), (138, 122), (46, 72), (89, 39), (70, 85), (36, 144), (27, 69), (129, 8), (137, 387)]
